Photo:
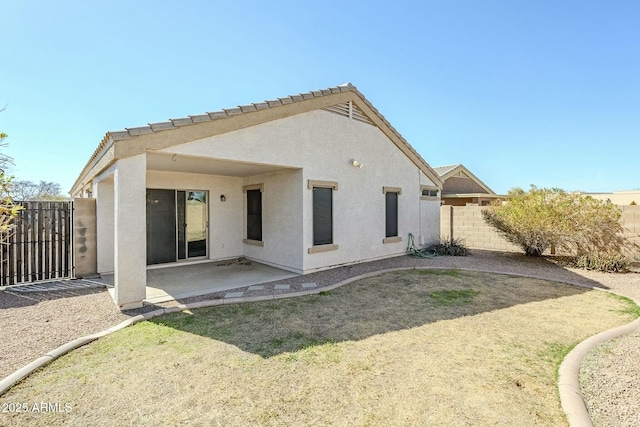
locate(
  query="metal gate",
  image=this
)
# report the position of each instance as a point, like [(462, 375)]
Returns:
[(40, 247)]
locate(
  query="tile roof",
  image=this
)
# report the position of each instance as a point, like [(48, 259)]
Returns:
[(133, 132), (215, 115), (443, 170)]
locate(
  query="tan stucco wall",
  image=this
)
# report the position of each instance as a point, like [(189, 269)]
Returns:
[(130, 272), (282, 226), (322, 145), (103, 191), (84, 237)]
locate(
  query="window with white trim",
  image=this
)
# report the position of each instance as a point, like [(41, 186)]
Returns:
[(428, 192), (322, 220), (391, 214), (254, 214)]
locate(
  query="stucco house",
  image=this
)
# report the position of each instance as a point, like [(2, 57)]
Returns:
[(302, 183), (461, 187)]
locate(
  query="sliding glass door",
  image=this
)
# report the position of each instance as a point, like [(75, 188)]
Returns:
[(177, 225), (196, 226)]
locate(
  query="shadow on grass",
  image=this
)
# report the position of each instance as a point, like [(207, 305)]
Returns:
[(377, 305)]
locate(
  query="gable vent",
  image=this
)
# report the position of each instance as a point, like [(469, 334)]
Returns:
[(348, 109)]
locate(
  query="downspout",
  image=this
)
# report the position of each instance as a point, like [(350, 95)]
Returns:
[(420, 237)]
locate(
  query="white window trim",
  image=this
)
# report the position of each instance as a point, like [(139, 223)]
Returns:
[(323, 184), (386, 190), (398, 190), (430, 187), (244, 190), (323, 248), (253, 242), (253, 187)]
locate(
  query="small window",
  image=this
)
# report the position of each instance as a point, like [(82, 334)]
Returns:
[(429, 193), (322, 216), (391, 209), (254, 215)]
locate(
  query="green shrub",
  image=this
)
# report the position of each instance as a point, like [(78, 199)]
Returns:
[(447, 246), (539, 218), (607, 262)]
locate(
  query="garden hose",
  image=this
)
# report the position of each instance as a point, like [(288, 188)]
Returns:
[(414, 251)]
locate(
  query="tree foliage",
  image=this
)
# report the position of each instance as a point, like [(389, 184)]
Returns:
[(31, 191), (8, 210), (539, 218)]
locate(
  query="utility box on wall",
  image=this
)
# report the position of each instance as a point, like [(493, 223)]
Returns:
[(84, 237)]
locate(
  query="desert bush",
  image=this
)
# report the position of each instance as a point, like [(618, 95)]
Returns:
[(542, 217), (607, 262), (448, 246)]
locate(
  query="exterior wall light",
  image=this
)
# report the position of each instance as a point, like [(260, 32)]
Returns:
[(356, 164), (222, 198)]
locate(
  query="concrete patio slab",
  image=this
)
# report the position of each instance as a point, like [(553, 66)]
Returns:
[(176, 282)]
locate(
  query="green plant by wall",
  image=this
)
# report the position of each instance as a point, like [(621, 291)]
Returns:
[(536, 219), (448, 246), (607, 262)]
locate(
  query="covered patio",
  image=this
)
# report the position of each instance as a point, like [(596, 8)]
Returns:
[(176, 282)]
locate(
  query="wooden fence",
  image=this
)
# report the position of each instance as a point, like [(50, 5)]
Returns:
[(40, 246)]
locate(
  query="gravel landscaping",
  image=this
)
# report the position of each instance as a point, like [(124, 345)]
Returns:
[(36, 323)]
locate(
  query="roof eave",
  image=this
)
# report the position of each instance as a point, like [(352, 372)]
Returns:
[(157, 136), (462, 168)]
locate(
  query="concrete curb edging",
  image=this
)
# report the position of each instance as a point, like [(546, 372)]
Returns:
[(569, 373), (568, 376)]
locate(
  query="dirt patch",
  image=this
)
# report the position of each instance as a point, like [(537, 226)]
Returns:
[(380, 351)]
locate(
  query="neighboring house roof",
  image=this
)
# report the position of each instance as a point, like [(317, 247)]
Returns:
[(443, 170), (132, 141), (459, 171)]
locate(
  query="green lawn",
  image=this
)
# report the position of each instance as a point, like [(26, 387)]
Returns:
[(405, 348)]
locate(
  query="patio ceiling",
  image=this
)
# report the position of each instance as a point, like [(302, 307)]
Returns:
[(203, 165)]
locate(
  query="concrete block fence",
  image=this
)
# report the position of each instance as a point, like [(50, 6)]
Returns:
[(465, 222)]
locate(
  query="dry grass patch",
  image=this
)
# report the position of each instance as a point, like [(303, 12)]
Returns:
[(419, 347)]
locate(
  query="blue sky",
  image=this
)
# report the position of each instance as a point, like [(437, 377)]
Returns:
[(521, 92)]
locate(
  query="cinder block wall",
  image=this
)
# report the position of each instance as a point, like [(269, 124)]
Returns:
[(466, 222), (631, 223)]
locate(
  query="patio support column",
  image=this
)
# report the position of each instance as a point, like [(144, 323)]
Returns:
[(103, 192), (130, 228)]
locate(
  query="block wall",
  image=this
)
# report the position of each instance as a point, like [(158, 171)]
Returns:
[(465, 222)]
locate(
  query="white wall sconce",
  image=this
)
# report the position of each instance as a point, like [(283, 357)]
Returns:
[(356, 164), (222, 198)]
